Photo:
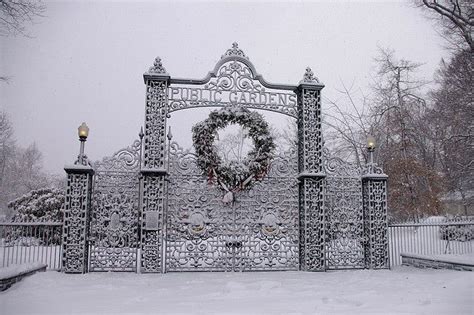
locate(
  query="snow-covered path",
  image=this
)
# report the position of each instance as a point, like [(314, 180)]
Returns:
[(402, 290)]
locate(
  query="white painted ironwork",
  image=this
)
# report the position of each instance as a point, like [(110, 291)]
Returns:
[(257, 231), (113, 234), (344, 222), (76, 218), (233, 81), (311, 211)]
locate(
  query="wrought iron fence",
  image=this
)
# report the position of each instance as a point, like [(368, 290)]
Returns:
[(31, 242), (41, 241), (430, 238)]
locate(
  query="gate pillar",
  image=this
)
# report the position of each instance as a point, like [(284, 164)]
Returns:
[(153, 190), (311, 175), (374, 191), (76, 217)]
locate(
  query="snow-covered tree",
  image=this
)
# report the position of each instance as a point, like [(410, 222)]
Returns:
[(21, 169), (43, 205)]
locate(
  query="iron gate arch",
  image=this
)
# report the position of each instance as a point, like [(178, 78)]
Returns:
[(148, 208), (259, 230)]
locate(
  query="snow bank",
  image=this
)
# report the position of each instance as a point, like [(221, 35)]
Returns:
[(467, 259), (17, 270), (402, 290)]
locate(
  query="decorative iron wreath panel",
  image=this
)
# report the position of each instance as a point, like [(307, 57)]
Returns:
[(258, 232)]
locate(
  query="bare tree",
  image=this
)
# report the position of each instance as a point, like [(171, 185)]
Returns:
[(233, 143), (7, 144), (29, 169), (405, 137), (286, 138), (347, 123), (14, 14), (455, 18)]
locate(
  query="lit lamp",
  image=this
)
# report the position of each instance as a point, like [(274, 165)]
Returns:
[(371, 148), (83, 132)]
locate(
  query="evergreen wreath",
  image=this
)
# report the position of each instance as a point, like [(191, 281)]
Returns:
[(233, 176)]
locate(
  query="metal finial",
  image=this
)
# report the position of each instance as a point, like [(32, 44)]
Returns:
[(234, 51), (141, 134), (157, 66), (309, 76)]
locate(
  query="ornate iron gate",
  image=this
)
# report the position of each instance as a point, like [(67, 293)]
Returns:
[(113, 241), (306, 211), (259, 231), (344, 219)]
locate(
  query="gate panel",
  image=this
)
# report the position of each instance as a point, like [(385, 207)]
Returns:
[(114, 216), (266, 221), (197, 225), (258, 231), (344, 216)]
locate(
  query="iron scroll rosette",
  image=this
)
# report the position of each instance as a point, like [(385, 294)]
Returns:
[(233, 176)]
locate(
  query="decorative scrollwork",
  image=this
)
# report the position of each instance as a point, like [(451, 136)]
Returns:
[(234, 51), (126, 159), (336, 166), (153, 205), (345, 238), (372, 169), (233, 82), (155, 124), (258, 232), (309, 129), (114, 214), (375, 218), (75, 223)]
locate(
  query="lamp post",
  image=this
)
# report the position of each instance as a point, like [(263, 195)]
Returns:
[(371, 148), (83, 132), (374, 203), (77, 207)]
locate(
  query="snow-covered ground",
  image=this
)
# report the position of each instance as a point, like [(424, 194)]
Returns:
[(401, 290)]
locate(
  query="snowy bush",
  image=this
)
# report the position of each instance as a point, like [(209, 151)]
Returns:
[(41, 205)]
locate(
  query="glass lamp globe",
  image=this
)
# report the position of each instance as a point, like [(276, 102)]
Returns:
[(370, 142), (83, 131)]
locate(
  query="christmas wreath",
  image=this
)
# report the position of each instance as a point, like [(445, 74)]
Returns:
[(232, 175)]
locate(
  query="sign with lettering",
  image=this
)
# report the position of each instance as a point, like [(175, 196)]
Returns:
[(232, 82), (261, 98)]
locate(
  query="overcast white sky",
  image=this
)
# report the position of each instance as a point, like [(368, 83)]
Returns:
[(85, 60)]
